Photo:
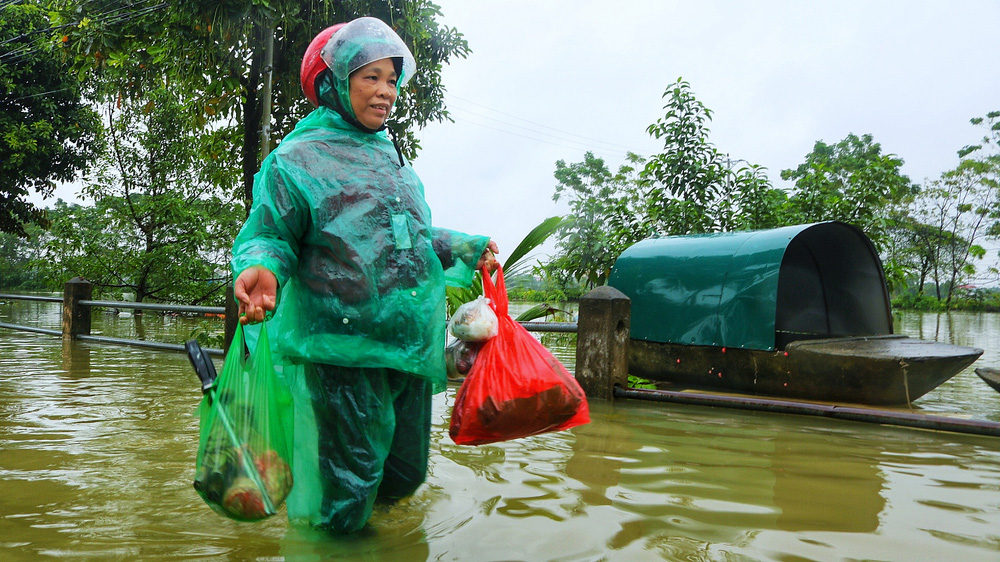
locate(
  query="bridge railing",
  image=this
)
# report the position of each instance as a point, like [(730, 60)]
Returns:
[(76, 316), (602, 332)]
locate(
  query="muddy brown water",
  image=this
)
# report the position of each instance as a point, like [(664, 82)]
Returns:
[(97, 446)]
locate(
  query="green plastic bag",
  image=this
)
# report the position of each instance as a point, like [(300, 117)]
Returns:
[(243, 467)]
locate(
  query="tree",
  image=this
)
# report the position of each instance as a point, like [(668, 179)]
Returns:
[(48, 132), (939, 236), (987, 152), (751, 203), (606, 216), (690, 186), (911, 248), (958, 208), (218, 53), (160, 227), (16, 257), (851, 181), (962, 209)]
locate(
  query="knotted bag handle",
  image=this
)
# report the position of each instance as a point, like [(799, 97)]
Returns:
[(497, 293)]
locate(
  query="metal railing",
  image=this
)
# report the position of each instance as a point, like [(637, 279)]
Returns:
[(601, 357), (75, 307), (76, 312)]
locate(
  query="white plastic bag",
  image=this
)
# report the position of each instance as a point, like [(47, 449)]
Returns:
[(474, 321)]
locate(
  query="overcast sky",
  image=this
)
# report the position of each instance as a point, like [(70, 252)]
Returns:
[(549, 80)]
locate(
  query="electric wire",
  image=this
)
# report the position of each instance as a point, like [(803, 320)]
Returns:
[(584, 143), (589, 140), (563, 139), (40, 94), (536, 139), (563, 142), (112, 17)]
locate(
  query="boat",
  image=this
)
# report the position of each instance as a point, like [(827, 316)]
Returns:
[(798, 312), (990, 377)]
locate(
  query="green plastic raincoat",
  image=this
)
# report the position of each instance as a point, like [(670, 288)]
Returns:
[(359, 327), (348, 234)]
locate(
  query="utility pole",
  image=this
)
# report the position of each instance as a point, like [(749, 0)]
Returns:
[(265, 114)]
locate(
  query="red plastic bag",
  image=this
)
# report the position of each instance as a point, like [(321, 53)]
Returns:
[(516, 387)]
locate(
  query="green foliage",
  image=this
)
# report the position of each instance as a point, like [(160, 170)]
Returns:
[(978, 300), (216, 53), (638, 382), (918, 301), (545, 310), (456, 296), (207, 335), (16, 253), (517, 260), (689, 187), (48, 132), (851, 181), (692, 187), (160, 227), (606, 216)]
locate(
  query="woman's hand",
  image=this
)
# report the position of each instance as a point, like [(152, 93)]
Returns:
[(488, 259), (256, 289)]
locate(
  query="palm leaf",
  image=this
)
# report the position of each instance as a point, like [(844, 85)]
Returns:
[(516, 261), (538, 311)]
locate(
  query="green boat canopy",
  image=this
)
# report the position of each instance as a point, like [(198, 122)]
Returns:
[(756, 290)]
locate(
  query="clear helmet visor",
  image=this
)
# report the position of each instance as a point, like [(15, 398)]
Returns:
[(363, 41)]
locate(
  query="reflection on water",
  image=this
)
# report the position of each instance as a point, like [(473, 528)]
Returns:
[(97, 447)]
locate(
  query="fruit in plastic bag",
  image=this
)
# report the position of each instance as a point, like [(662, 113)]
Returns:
[(474, 321), (460, 356), (243, 500), (242, 470), (276, 475), (228, 484)]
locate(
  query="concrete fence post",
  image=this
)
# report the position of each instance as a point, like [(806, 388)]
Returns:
[(232, 316), (76, 318), (602, 342)]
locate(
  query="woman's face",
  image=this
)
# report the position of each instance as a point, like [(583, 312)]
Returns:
[(373, 91)]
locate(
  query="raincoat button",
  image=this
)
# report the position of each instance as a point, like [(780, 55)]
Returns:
[(346, 320), (398, 200), (414, 293)]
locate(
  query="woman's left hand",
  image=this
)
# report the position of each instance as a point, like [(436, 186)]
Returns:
[(488, 259)]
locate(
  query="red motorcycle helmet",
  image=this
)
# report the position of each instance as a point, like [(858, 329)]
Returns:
[(312, 63)]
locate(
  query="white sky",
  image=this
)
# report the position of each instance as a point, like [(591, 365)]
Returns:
[(549, 80)]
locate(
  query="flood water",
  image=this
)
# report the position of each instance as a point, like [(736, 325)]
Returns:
[(97, 449)]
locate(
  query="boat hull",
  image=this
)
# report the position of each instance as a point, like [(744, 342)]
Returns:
[(876, 370), (990, 377)]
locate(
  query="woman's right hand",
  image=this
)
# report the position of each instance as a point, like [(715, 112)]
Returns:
[(256, 289)]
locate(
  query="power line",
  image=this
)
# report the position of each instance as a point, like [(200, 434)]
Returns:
[(114, 16), (573, 145), (536, 139), (586, 143), (22, 98), (589, 140)]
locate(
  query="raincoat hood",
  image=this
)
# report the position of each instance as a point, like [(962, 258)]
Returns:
[(360, 42)]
